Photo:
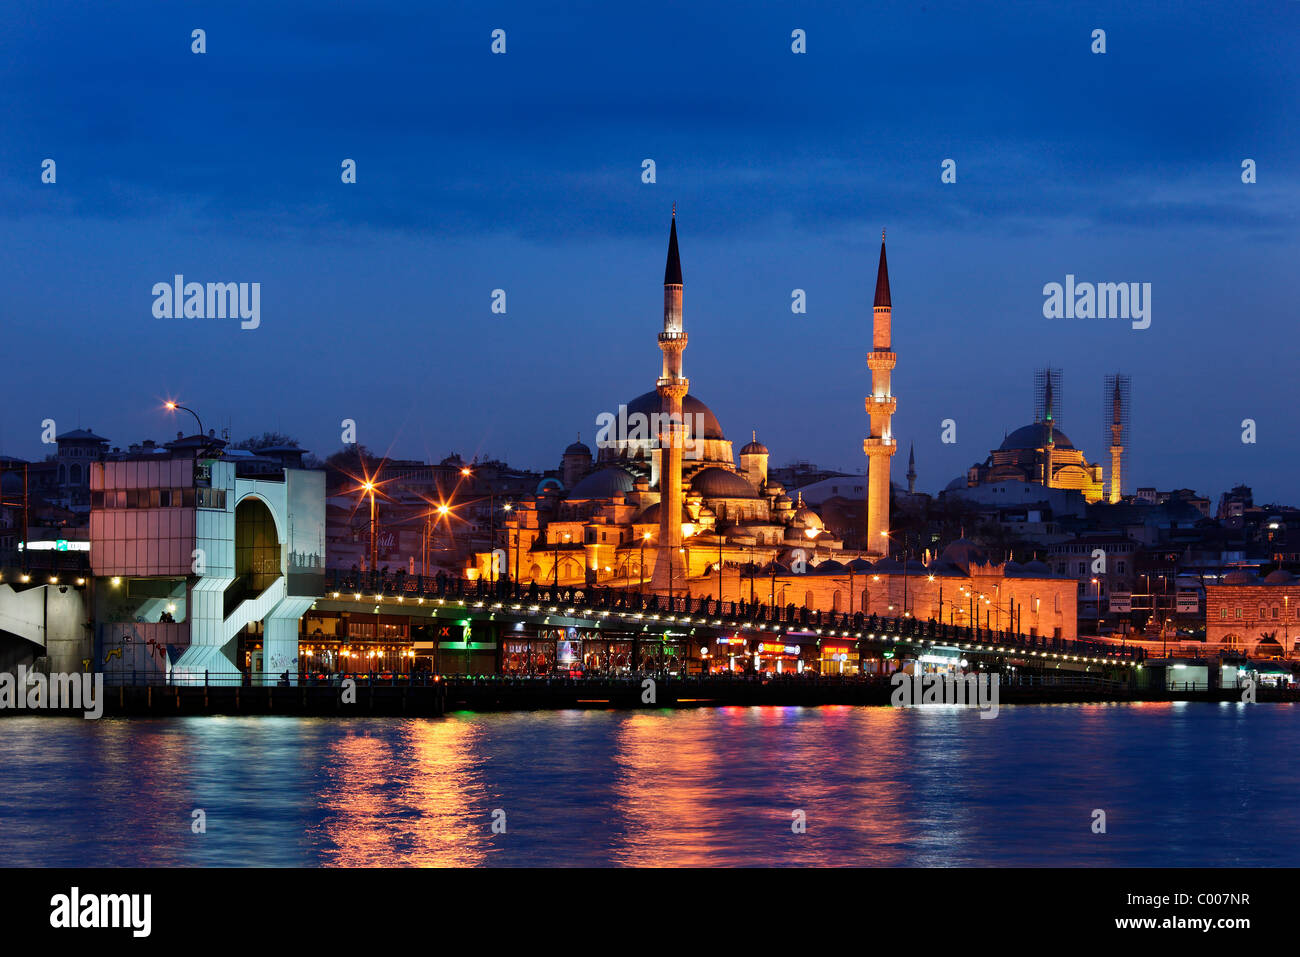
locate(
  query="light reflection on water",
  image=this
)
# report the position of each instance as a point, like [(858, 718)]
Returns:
[(1181, 784)]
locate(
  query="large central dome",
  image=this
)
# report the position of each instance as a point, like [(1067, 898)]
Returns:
[(651, 403), (1034, 437)]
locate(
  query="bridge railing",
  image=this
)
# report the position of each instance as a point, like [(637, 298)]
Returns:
[(745, 614)]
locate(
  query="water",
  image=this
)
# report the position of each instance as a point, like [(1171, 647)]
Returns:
[(1181, 784)]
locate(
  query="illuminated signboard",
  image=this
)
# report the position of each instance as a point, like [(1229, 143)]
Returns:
[(57, 546), (769, 648)]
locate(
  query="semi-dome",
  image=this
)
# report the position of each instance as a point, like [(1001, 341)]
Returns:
[(651, 403), (715, 482), (651, 516), (603, 483), (1032, 437)]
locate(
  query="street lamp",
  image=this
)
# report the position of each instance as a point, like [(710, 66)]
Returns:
[(171, 406), (645, 537)]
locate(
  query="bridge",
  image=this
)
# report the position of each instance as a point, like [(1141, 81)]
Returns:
[(697, 625)]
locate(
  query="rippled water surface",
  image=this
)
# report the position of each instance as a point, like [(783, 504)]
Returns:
[(1181, 784)]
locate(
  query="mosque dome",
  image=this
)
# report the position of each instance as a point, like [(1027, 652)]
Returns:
[(1236, 578), (651, 516), (1279, 577), (806, 517), (577, 448), (716, 482), (859, 565), (964, 553), (754, 448), (1032, 436), (958, 483), (828, 567), (604, 483), (1037, 569), (650, 403)]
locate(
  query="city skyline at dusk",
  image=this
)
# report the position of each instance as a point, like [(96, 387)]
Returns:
[(377, 296)]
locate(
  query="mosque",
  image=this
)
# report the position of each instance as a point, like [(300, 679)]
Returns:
[(1041, 454), (668, 510)]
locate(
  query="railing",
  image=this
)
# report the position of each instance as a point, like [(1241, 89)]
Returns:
[(251, 679), (626, 603)]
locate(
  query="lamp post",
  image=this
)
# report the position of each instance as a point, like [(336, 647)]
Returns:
[(369, 488), (645, 537)]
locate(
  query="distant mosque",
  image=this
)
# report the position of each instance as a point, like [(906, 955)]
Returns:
[(1041, 454), (665, 509)]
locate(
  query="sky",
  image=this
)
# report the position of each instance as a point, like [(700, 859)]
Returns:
[(523, 171)]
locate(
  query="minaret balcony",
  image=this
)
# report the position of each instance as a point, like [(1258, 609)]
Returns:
[(877, 445), (881, 404), (672, 336), (881, 361)]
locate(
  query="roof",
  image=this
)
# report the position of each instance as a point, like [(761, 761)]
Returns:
[(673, 268), (605, 483), (80, 435), (882, 276), (1032, 437), (717, 482), (651, 403)]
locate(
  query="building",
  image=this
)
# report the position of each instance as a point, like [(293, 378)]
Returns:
[(1037, 454), (664, 506), (200, 569), (1254, 615)]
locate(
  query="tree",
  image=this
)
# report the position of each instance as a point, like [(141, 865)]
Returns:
[(265, 441)]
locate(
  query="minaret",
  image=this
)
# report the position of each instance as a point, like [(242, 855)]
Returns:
[(669, 574), (1116, 443), (1051, 433), (911, 469), (879, 444)]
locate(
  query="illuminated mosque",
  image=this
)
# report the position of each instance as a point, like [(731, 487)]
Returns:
[(667, 510)]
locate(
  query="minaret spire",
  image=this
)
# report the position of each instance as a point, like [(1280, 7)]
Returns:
[(879, 444), (911, 469), (672, 387)]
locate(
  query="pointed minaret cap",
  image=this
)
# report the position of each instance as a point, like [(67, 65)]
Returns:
[(673, 269), (882, 277)]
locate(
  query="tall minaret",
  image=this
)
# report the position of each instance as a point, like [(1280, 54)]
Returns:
[(1051, 433), (669, 574), (911, 469), (879, 444), (1116, 442)]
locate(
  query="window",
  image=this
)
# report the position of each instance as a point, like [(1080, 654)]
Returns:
[(1223, 612), (210, 498), (1238, 611), (1121, 568)]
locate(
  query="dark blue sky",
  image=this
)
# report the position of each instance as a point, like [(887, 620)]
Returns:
[(522, 172)]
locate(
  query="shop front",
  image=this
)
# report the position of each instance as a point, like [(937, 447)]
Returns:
[(776, 657), (728, 655), (837, 658)]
